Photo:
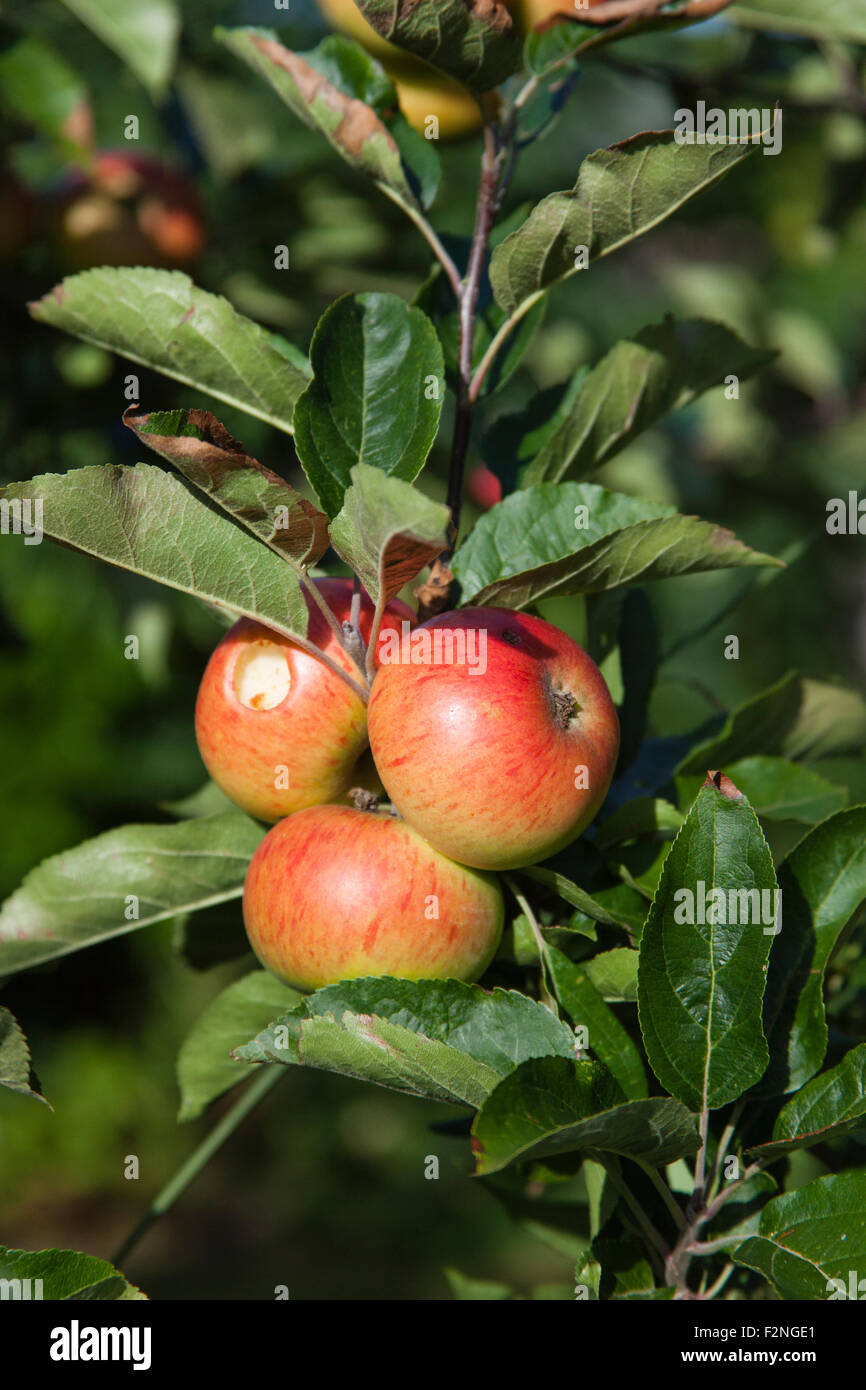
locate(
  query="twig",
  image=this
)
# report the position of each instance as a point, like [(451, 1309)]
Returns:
[(485, 215), (194, 1164), (374, 636), (665, 1193)]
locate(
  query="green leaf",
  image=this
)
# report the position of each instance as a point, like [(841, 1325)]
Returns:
[(831, 1104), (844, 19), (578, 538), (606, 1037), (663, 368), (344, 93), (812, 1236), (758, 726), (465, 1288), (65, 1274), (205, 1069), (204, 452), (823, 883), (161, 320), (89, 894), (645, 815), (614, 974), (16, 1069), (209, 800), (147, 521), (621, 193), (552, 1106), (435, 1038), (144, 35), (477, 43), (38, 86), (780, 790), (572, 894), (701, 983), (387, 531), (375, 397)]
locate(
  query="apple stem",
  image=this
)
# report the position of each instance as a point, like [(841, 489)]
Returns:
[(374, 636), (353, 649), (546, 993), (248, 1100)]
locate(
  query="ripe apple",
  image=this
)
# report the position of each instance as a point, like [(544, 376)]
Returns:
[(336, 894), (494, 734), (277, 730), (484, 487)]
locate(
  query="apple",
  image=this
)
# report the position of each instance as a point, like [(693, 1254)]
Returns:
[(532, 12), (276, 729), (484, 487), (494, 734), (130, 208), (334, 893)]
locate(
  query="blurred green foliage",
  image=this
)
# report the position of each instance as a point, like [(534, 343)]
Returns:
[(324, 1189)]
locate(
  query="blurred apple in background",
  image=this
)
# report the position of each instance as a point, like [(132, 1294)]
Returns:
[(129, 209)]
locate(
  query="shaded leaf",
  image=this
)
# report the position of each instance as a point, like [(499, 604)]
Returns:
[(844, 19), (780, 790), (341, 91), (89, 894), (375, 397), (67, 1274), (387, 531), (831, 1104), (16, 1068), (607, 1039), (572, 894), (553, 1106), (701, 982), (663, 368), (38, 86), (205, 1068), (160, 319), (621, 193), (576, 538), (811, 1236), (823, 883), (147, 521), (143, 35), (435, 1038), (475, 41), (614, 974), (204, 452)]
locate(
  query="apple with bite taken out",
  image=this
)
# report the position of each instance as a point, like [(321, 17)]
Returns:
[(276, 729), (494, 734), (334, 893)]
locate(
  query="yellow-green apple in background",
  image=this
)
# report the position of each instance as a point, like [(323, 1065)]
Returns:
[(276, 729), (334, 893), (494, 734)]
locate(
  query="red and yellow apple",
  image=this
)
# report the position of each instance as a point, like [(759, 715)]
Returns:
[(277, 730), (494, 734), (336, 894)]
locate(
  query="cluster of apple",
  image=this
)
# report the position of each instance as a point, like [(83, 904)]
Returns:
[(492, 734)]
